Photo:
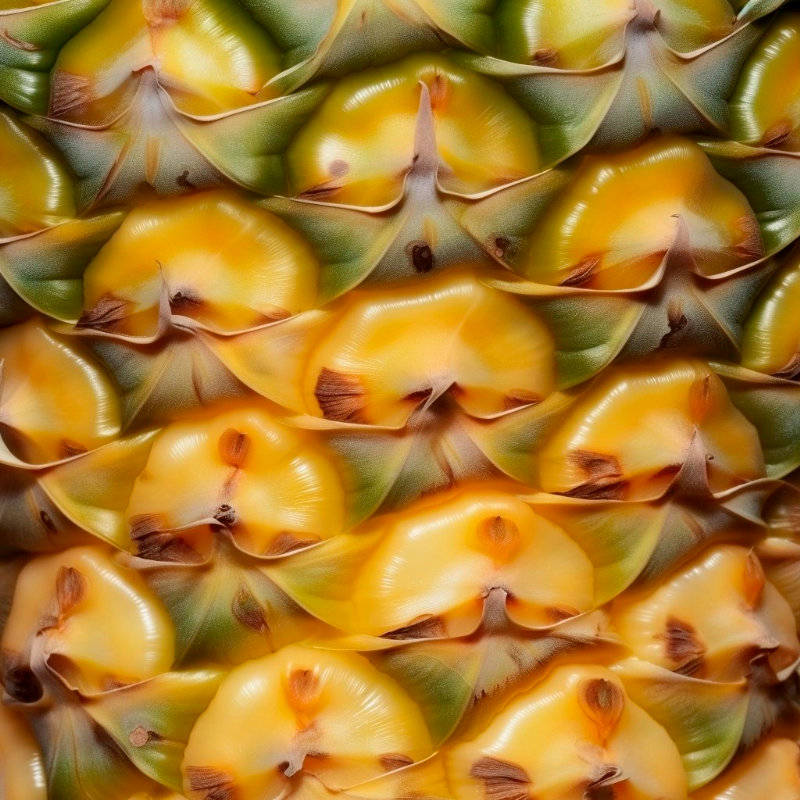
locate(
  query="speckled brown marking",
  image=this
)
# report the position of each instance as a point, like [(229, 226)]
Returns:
[(160, 12), (776, 135), (71, 588), (751, 246), (560, 613), (108, 315), (341, 397), (683, 646), (217, 784), (605, 481), (501, 780), (498, 530), (545, 57), (393, 761), (602, 701), (303, 687), (583, 272), (247, 610)]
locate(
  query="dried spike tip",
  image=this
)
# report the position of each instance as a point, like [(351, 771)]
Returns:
[(683, 646), (159, 12), (618, 452), (388, 350), (211, 784), (71, 588), (754, 580), (501, 780), (248, 611), (483, 137), (602, 701)]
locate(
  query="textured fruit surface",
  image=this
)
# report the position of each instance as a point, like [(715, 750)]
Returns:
[(399, 399)]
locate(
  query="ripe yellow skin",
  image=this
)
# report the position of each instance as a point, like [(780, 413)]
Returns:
[(611, 228), (54, 397), (330, 714), (769, 770), (359, 145), (766, 104), (138, 637), (771, 335), (675, 627), (552, 739), (35, 188), (645, 418), (282, 486), (22, 773), (189, 44), (443, 559), (226, 264)]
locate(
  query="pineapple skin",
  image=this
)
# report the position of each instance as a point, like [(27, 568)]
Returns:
[(399, 399)]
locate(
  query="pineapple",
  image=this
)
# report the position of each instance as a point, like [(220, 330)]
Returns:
[(399, 399)]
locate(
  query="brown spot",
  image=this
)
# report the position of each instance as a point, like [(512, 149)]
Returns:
[(67, 448), (498, 530), (750, 247), (683, 646), (217, 784), (501, 780), (225, 515), (669, 471), (247, 610), (777, 134), (71, 588), (303, 687), (393, 761), (517, 398), (362, 20), (423, 394), (677, 322), (439, 91), (560, 613), (340, 396), (322, 190), (233, 447), (791, 370), (422, 258), (18, 43), (754, 580), (287, 542), (501, 246), (19, 679), (159, 12), (602, 701), (581, 274), (107, 315), (184, 300), (69, 93), (338, 167), (183, 180), (428, 628), (604, 473), (545, 57), (701, 397), (47, 521), (140, 736)]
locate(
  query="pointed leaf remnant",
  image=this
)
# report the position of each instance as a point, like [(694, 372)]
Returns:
[(501, 780), (247, 610), (602, 701), (341, 397), (683, 646), (233, 447), (71, 588)]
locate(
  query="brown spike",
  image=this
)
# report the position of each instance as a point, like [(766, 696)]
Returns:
[(602, 701), (71, 588), (791, 370), (303, 687), (683, 646), (288, 542), (501, 780), (107, 315), (605, 477), (498, 530), (393, 761), (583, 272), (217, 784), (68, 448), (517, 398), (428, 628), (777, 134), (545, 57), (754, 580), (233, 447), (701, 397), (69, 93), (248, 611), (560, 613), (341, 397), (751, 245)]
